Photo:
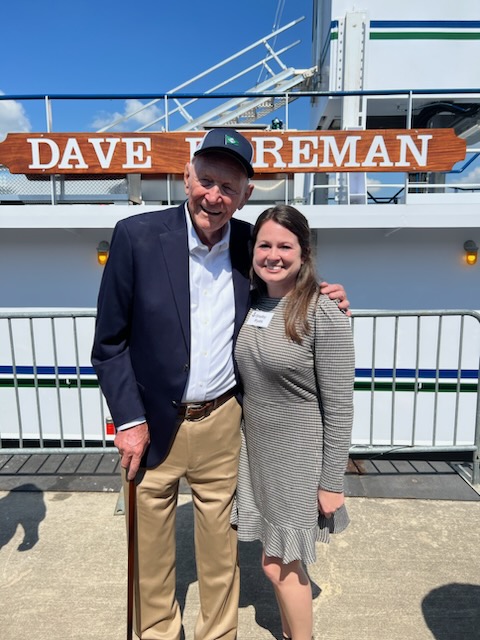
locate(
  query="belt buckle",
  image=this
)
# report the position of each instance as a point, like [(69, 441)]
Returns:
[(197, 406)]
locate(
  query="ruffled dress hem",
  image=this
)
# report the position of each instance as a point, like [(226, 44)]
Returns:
[(287, 543)]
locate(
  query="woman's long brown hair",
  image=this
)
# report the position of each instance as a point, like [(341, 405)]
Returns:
[(306, 285)]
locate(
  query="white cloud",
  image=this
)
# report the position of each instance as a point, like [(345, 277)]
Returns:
[(13, 118), (472, 177), (373, 185), (134, 121)]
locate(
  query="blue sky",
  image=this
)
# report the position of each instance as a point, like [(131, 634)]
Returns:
[(148, 46), (143, 47)]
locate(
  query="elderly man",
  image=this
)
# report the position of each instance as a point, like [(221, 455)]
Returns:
[(174, 294)]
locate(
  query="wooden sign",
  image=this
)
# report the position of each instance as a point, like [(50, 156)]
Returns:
[(404, 150)]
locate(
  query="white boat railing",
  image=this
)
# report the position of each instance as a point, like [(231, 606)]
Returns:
[(324, 188), (416, 383)]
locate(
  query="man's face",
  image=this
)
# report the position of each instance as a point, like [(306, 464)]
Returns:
[(216, 186)]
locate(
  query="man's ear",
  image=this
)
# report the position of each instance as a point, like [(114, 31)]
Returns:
[(246, 195), (186, 176)]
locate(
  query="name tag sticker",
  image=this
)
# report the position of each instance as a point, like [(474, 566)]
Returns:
[(260, 318)]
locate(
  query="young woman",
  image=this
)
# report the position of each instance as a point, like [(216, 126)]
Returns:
[(296, 360)]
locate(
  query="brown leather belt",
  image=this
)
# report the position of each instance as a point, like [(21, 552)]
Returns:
[(194, 411)]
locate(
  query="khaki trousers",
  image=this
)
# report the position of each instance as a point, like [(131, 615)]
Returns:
[(206, 454)]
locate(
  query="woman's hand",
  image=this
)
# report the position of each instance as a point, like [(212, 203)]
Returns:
[(329, 502)]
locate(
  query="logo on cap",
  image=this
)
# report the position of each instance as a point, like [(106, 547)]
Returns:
[(231, 140)]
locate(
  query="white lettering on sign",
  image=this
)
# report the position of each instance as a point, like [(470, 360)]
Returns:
[(135, 150), (377, 149), (305, 152), (302, 148), (54, 153), (46, 153), (71, 155), (105, 159), (330, 144), (420, 156), (193, 144), (271, 146)]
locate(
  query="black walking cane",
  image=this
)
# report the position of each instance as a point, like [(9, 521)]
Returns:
[(132, 494)]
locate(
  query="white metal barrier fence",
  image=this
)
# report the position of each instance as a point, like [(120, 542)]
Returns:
[(49, 393), (416, 383)]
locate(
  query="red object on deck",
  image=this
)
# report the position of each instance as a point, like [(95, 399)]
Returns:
[(109, 428)]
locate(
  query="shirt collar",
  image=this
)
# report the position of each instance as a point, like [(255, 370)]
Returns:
[(194, 242)]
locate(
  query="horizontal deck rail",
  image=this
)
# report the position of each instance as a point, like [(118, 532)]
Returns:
[(416, 383), (332, 189)]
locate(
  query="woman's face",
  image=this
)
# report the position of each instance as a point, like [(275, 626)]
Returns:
[(277, 258)]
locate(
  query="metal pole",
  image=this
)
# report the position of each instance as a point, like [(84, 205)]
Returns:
[(409, 126), (476, 453), (48, 111)]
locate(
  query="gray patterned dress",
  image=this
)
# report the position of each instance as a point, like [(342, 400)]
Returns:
[(291, 446)]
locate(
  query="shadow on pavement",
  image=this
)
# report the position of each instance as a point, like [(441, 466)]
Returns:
[(185, 562), (23, 506), (452, 612), (255, 589)]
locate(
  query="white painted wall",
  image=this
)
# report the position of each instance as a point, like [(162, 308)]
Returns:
[(406, 269), (380, 268), (50, 267), (418, 63), (408, 9)]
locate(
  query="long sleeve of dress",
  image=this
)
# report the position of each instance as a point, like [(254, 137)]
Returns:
[(335, 371)]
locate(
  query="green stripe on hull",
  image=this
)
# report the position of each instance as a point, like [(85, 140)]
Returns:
[(421, 387), (49, 384), (362, 385)]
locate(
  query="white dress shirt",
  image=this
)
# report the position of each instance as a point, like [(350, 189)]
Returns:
[(212, 317)]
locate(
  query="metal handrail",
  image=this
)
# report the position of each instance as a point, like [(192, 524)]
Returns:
[(238, 94), (253, 97), (375, 314), (475, 446)]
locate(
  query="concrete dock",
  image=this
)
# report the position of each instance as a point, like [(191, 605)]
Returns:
[(405, 569)]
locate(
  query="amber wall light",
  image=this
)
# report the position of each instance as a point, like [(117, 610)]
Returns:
[(102, 252), (471, 252)]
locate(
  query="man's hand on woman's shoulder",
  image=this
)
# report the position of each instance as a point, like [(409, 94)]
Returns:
[(336, 292)]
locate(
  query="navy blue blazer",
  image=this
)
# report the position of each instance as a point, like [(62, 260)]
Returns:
[(141, 350)]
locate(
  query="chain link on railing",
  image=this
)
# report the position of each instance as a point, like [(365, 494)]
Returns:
[(18, 188)]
